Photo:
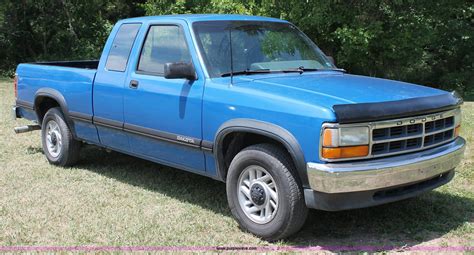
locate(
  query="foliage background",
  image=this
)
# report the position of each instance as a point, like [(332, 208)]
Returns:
[(425, 42)]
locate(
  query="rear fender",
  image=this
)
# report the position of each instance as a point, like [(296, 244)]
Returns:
[(59, 98)]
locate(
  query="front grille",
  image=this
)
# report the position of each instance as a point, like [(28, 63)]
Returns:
[(405, 135), (400, 136)]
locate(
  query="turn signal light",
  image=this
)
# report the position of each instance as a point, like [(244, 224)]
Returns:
[(331, 137), (457, 130), (346, 152)]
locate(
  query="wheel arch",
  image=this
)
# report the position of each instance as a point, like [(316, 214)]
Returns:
[(48, 96), (264, 129)]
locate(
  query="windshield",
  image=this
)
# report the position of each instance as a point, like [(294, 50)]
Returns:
[(256, 46)]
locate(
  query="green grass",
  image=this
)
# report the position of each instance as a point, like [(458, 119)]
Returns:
[(113, 199)]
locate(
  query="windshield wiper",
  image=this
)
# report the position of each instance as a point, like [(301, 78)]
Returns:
[(337, 69), (289, 70), (246, 72), (300, 70)]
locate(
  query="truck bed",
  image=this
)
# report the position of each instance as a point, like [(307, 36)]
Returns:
[(72, 80)]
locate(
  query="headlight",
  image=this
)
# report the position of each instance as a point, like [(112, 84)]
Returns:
[(346, 142), (354, 136)]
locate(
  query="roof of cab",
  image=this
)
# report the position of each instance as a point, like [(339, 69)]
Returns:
[(202, 17)]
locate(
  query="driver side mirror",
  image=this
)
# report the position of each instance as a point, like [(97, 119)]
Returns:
[(180, 70)]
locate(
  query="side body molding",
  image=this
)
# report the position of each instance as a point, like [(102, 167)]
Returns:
[(261, 128)]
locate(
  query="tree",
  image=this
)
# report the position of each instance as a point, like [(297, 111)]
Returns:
[(426, 42), (41, 30), (430, 43)]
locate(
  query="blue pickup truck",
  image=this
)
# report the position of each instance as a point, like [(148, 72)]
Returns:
[(250, 101)]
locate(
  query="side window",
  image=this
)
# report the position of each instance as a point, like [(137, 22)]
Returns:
[(121, 47), (163, 44)]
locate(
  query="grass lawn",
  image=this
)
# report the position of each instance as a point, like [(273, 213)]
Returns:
[(113, 199)]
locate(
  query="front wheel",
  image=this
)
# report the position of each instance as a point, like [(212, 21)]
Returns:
[(58, 143), (264, 194)]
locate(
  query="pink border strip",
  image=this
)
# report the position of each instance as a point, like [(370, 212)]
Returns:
[(234, 248)]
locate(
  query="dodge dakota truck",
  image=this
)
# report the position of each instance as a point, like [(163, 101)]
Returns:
[(252, 102)]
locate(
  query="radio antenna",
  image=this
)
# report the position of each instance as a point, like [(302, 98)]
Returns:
[(231, 57)]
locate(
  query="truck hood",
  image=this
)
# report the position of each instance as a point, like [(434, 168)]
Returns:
[(332, 88)]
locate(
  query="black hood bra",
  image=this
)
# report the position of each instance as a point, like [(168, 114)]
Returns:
[(366, 112)]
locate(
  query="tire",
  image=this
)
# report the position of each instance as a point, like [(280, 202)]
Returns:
[(280, 219), (58, 143)]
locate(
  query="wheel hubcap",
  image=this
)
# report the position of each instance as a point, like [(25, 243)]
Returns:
[(54, 141), (258, 195)]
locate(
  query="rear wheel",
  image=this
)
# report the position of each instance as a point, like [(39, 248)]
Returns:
[(264, 194), (58, 143)]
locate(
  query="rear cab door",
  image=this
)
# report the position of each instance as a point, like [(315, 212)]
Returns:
[(110, 85), (162, 117)]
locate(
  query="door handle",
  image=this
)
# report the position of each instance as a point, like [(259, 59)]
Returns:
[(133, 84)]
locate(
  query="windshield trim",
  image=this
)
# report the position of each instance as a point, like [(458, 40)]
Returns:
[(207, 65)]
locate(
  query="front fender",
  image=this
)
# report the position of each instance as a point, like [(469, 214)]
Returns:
[(269, 130)]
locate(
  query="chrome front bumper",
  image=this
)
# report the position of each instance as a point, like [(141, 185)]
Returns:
[(385, 172)]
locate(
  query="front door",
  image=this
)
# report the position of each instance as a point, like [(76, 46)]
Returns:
[(163, 116)]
